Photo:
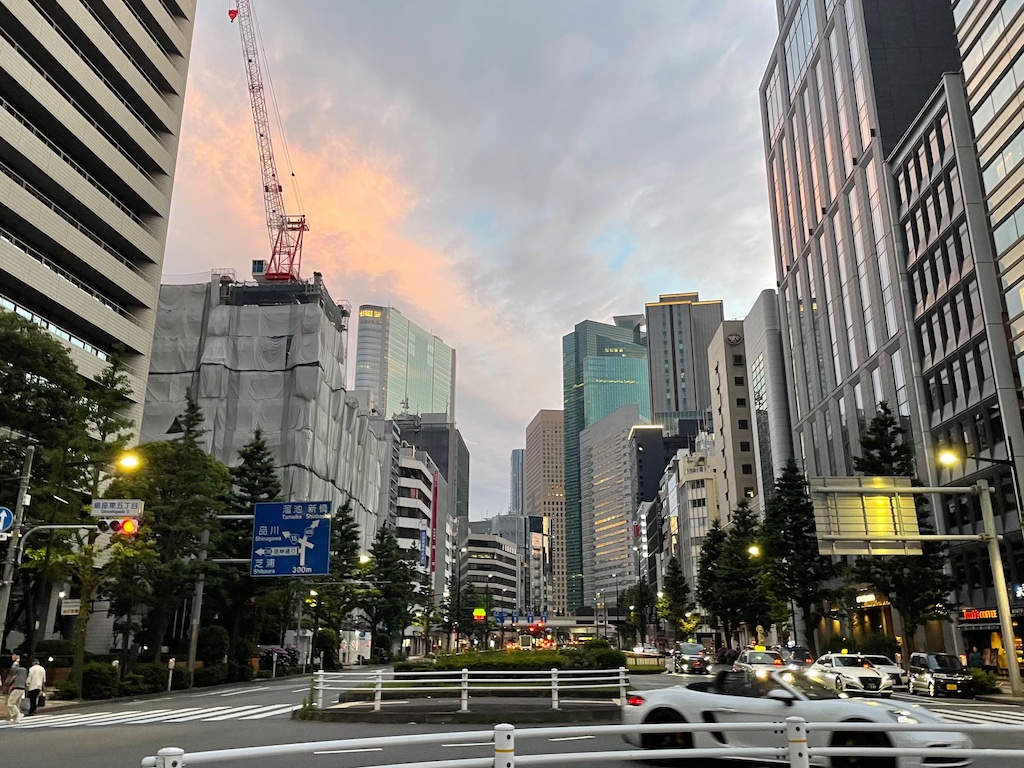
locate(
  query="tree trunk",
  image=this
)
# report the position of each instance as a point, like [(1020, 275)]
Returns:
[(89, 583)]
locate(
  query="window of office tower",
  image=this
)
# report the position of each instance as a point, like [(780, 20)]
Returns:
[(800, 41)]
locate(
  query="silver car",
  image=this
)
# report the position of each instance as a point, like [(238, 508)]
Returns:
[(852, 674)]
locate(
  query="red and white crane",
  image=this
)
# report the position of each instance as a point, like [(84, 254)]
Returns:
[(285, 230)]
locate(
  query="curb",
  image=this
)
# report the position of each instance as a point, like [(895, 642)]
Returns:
[(482, 716)]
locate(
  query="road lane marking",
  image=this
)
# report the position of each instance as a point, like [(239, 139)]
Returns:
[(55, 720), (571, 738), (196, 715), (348, 751), (280, 710), (147, 718), (246, 690)]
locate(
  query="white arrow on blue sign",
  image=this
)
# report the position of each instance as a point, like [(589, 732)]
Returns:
[(291, 538), (6, 519)]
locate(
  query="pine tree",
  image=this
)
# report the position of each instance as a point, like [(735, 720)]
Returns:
[(917, 586), (392, 579), (796, 572), (341, 592), (743, 600), (708, 592), (676, 602)]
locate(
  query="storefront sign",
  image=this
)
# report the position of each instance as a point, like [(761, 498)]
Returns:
[(973, 614)]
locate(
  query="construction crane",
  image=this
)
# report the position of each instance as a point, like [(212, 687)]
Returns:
[(285, 230)]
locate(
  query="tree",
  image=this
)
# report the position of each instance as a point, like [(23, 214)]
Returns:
[(917, 586), (182, 487), (675, 604), (642, 601), (234, 593), (708, 593), (741, 585), (795, 571), (343, 589), (391, 577)]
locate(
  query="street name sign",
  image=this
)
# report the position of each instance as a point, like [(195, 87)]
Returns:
[(291, 538), (117, 507), (70, 607)]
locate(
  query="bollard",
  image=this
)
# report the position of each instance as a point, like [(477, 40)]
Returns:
[(273, 669), (320, 689), (796, 735), (378, 684), (170, 757), (623, 683), (464, 703), (504, 746), (554, 687)]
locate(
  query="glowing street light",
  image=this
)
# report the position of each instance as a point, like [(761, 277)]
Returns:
[(754, 551)]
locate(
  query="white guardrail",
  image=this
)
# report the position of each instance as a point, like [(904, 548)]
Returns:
[(465, 681), (504, 736)]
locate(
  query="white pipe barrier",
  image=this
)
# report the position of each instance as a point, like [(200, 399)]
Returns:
[(504, 737), (464, 681)]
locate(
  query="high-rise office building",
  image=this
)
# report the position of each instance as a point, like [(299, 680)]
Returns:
[(441, 439), (964, 363), (679, 328), (544, 493), (768, 392), (844, 83), (91, 103), (515, 482), (408, 370), (603, 368)]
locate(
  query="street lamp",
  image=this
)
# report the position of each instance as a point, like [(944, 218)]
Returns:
[(754, 551), (950, 458)]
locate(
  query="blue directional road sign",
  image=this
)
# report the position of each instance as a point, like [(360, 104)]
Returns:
[(6, 519), (515, 617), (291, 538)]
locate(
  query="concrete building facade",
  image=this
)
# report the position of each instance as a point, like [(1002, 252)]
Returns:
[(90, 117), (544, 493)]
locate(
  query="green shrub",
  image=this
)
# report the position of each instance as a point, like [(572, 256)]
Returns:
[(503, 660), (326, 642), (155, 676), (212, 644), (99, 681), (133, 685), (215, 674), (415, 666), (984, 682), (595, 654), (46, 648), (239, 672), (66, 690)]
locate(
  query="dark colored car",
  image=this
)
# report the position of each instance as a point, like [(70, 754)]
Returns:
[(940, 674), (691, 658), (795, 656)]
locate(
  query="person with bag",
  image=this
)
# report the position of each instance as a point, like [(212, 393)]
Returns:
[(17, 680), (35, 683)]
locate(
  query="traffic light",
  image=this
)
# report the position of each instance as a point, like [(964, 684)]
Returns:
[(126, 526)]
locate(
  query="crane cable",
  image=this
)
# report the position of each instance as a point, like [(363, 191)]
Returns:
[(277, 113)]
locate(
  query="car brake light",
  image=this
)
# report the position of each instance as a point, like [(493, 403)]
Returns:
[(778, 662), (635, 701)]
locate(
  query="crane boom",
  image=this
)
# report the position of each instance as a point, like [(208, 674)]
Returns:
[(285, 230)]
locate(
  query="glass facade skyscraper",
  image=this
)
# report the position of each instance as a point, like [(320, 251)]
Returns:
[(407, 369), (603, 368)]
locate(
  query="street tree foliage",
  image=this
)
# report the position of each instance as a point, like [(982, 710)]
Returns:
[(676, 602), (234, 595), (707, 576), (917, 586), (794, 569), (741, 584), (388, 600), (182, 487), (343, 588), (641, 600)]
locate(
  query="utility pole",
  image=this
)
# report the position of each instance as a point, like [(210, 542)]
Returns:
[(197, 610), (12, 545)]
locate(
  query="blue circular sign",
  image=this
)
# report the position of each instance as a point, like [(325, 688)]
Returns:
[(6, 519)]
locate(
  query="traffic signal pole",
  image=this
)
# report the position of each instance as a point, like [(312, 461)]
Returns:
[(19, 515)]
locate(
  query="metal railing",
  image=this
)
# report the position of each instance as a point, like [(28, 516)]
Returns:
[(794, 749), (464, 681)]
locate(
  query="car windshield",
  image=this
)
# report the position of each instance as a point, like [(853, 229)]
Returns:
[(691, 648), (851, 661), (945, 662), (765, 657), (809, 684), (884, 661)]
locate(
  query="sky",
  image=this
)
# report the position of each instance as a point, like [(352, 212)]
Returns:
[(497, 171)]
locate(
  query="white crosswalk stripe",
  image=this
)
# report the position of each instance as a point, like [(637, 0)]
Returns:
[(139, 717), (984, 716)]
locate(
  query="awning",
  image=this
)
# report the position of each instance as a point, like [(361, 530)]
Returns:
[(971, 626)]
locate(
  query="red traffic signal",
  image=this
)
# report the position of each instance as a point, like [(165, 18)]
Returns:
[(126, 526)]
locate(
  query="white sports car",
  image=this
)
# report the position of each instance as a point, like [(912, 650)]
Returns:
[(771, 697)]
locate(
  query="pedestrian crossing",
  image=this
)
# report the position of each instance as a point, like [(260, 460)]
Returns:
[(982, 716), (150, 716)]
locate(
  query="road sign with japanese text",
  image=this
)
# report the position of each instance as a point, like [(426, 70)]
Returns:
[(291, 538)]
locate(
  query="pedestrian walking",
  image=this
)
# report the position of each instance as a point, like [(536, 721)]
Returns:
[(974, 658), (35, 685), (16, 681)]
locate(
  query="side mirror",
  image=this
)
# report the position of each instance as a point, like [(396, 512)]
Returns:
[(779, 694)]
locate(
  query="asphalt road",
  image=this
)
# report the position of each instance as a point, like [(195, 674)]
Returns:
[(119, 734)]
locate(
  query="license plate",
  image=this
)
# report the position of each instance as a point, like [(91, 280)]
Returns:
[(950, 686)]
